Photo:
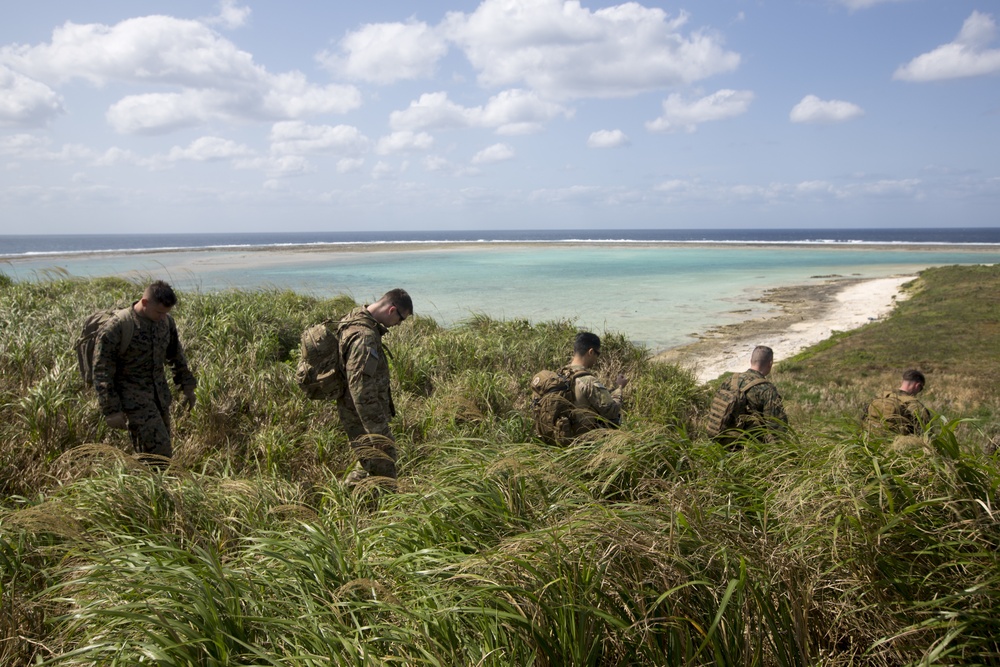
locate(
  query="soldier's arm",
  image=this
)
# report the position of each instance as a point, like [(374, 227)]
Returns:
[(183, 377), (605, 403), (106, 352), (361, 363), (774, 411), (767, 400), (919, 416)]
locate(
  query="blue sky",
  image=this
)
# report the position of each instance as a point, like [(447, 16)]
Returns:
[(151, 116)]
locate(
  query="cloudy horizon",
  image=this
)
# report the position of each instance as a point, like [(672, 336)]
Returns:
[(498, 114)]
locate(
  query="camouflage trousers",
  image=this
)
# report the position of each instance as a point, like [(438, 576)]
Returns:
[(376, 452), (149, 429)]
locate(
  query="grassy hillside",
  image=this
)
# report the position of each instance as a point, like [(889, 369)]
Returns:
[(644, 546), (948, 327)]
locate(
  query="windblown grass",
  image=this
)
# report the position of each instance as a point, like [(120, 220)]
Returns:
[(647, 545)]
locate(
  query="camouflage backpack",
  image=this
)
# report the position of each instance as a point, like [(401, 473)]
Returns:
[(887, 412), (728, 405), (87, 341), (320, 373), (553, 408)]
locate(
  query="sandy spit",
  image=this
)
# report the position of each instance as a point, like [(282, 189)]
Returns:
[(804, 316)]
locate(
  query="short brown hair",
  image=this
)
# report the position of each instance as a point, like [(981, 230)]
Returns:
[(161, 293), (762, 354), (399, 298)]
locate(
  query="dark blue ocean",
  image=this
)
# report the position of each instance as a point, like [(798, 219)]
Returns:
[(19, 245), (659, 287)]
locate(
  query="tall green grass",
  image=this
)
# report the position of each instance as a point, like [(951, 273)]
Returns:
[(648, 545)]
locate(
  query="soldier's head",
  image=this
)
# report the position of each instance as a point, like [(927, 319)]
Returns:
[(157, 301), (393, 308), (586, 349), (913, 382), (762, 359)]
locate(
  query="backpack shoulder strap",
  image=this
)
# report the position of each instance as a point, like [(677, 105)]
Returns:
[(753, 383), (572, 376), (576, 375), (128, 328)]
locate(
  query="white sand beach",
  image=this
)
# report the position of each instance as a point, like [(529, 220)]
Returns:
[(801, 322)]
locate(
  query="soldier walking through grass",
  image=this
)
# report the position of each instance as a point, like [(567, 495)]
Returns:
[(600, 407), (365, 407), (899, 411), (765, 418), (572, 401), (748, 405), (131, 385)]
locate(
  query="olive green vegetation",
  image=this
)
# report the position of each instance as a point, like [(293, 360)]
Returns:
[(644, 546), (947, 325)]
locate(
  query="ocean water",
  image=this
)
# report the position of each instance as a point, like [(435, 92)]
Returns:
[(658, 293), (13, 245)]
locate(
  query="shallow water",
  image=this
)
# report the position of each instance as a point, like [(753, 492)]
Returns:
[(657, 295)]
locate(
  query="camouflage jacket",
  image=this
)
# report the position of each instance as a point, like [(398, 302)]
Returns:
[(136, 380), (366, 368), (765, 409), (591, 395)]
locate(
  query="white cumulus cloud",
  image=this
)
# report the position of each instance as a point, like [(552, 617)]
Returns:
[(25, 102), (231, 15), (509, 112), (967, 56), (494, 153), (404, 141), (681, 113), (387, 52), (348, 165), (563, 50), (208, 149), (812, 109), (383, 170), (865, 4), (115, 156), (295, 137), (18, 144), (436, 163), (277, 167), (208, 78), (607, 139), (31, 147)]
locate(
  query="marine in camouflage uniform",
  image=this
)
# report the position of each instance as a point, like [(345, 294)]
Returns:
[(366, 406), (765, 417), (899, 412), (131, 386), (597, 406)]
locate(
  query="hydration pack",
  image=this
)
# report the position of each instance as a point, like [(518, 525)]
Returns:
[(728, 405), (888, 412), (553, 408), (87, 341), (320, 373)]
